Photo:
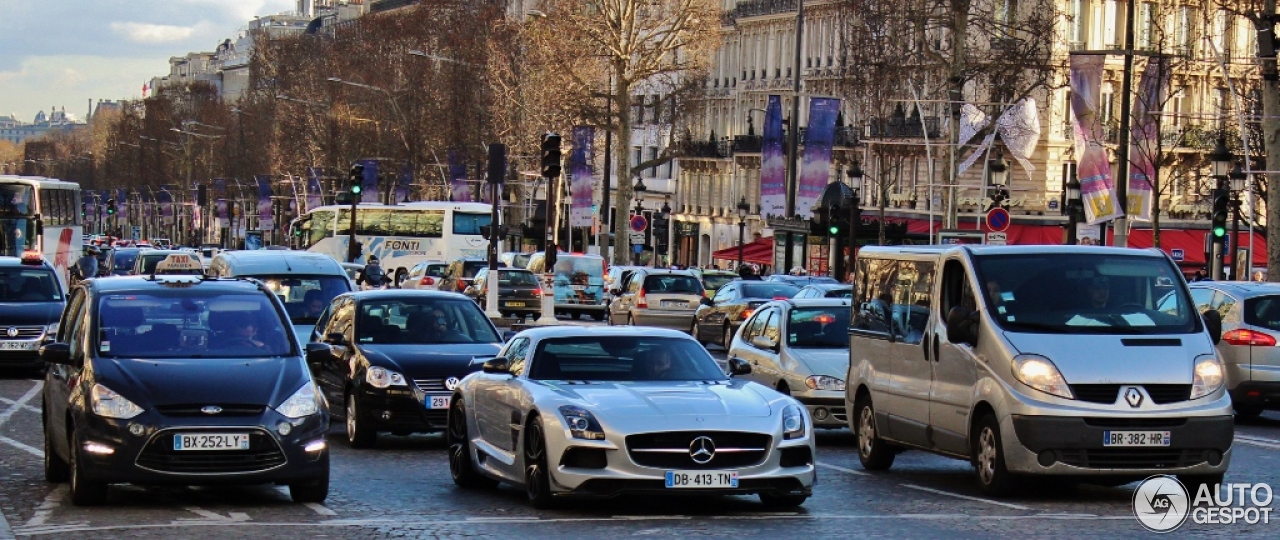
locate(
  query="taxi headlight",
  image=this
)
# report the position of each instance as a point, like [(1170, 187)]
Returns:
[(108, 404), (823, 382), (304, 402), (792, 422), (1039, 372), (1207, 377), (382, 377)]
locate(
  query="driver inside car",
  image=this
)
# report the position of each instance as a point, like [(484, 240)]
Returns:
[(1099, 291), (244, 333)]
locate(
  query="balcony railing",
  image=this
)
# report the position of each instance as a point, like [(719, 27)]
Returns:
[(757, 8), (706, 149), (900, 127)]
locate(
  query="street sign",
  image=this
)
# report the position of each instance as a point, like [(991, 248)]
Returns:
[(1177, 254), (637, 239), (636, 248), (997, 239), (998, 219), (137, 232), (639, 223)]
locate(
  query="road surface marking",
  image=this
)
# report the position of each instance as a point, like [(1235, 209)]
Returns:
[(29, 449), (1261, 442), (320, 509), (46, 508), (8, 401), (966, 497), (15, 406), (214, 516), (842, 469)]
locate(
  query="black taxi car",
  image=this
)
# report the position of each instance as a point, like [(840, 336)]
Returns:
[(30, 303), (393, 357), (180, 380)]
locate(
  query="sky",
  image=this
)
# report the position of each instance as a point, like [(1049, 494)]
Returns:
[(61, 53)]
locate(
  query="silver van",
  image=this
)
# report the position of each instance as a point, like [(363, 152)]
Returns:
[(1090, 362), (305, 282)]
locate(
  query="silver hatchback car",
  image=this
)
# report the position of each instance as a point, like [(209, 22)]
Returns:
[(654, 297), (1250, 331)]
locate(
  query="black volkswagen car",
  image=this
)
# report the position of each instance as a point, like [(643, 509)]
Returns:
[(180, 380), (719, 317), (30, 303), (391, 358)]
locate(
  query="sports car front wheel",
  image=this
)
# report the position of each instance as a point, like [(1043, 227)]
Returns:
[(461, 468), (537, 478)]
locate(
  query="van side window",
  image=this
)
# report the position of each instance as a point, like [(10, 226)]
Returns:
[(912, 296), (956, 289), (874, 280)]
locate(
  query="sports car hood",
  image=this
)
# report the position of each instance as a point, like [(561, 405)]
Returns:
[(829, 362), (423, 361), (680, 398), (202, 381)]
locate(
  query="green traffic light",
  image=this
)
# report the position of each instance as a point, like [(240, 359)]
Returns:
[(1219, 231), (834, 230), (355, 189)]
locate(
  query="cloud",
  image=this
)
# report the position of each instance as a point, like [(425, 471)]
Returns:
[(151, 33)]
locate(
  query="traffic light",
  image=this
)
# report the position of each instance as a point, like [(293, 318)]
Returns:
[(1218, 222), (357, 179), (84, 210), (550, 155), (111, 207)]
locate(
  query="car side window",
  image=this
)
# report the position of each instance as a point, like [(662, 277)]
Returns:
[(756, 325), (323, 321), (874, 279), (772, 327), (343, 320), (912, 297), (68, 316), (79, 322), (723, 295), (957, 291), (1223, 303), (1202, 297), (634, 282), (518, 354)]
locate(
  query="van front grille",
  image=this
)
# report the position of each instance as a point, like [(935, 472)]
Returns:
[(1096, 393)]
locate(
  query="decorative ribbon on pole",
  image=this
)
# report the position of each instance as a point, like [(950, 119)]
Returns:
[(1019, 128), (1097, 188), (1145, 137)]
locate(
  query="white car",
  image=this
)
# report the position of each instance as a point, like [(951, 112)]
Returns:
[(566, 411)]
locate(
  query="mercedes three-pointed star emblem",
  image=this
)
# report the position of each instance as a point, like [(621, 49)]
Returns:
[(702, 450), (1133, 396)]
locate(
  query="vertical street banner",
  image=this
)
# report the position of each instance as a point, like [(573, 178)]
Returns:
[(165, 199), (369, 187), (1097, 187), (219, 198), (773, 165), (102, 207), (265, 221), (1144, 137), (315, 195), (480, 184), (403, 183), (90, 200), (461, 192), (122, 205), (583, 187), (815, 165)]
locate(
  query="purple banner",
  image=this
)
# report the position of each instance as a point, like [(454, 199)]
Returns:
[(90, 204), (165, 200), (369, 187), (1097, 188), (122, 204), (773, 166), (458, 177), (1144, 138), (265, 221), (583, 187), (102, 207), (315, 194), (815, 165), (219, 198), (403, 183)]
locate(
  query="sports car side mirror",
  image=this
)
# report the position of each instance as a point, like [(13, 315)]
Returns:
[(56, 353), (738, 366), (318, 353), (497, 364)]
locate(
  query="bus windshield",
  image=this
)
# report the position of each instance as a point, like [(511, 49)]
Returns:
[(15, 200), (14, 237)]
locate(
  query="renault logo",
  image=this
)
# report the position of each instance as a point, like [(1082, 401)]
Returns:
[(702, 450), (451, 383), (13, 331), (1133, 396), (211, 409)]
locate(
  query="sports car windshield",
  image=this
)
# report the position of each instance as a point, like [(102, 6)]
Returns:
[(1078, 293), (623, 358)]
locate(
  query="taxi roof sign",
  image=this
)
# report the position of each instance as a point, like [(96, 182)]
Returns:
[(181, 264)]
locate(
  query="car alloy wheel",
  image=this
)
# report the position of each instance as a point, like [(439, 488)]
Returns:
[(988, 461), (84, 492), (873, 452), (461, 469), (358, 433), (537, 480), (728, 337), (56, 469)]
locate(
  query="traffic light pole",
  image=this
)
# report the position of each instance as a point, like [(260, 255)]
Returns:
[(353, 247), (1217, 231), (550, 172)]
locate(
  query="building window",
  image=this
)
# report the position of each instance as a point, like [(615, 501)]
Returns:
[(1146, 24), (1079, 11)]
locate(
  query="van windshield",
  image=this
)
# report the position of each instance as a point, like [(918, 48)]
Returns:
[(1078, 293)]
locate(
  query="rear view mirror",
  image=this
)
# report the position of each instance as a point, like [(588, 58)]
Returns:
[(318, 352), (707, 301), (508, 335), (962, 326), (1213, 323), (335, 338), (56, 353), (764, 342), (738, 366), (497, 364)]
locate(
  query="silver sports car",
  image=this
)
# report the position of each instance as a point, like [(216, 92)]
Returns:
[(604, 411)]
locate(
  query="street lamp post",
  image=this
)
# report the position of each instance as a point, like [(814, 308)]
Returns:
[(1073, 209), (999, 172), (855, 212), (664, 239), (743, 209), (639, 190), (1221, 159), (1239, 268)]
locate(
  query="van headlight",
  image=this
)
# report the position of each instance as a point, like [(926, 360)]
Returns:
[(792, 423), (1207, 377), (108, 404), (379, 377), (304, 402), (1039, 372)]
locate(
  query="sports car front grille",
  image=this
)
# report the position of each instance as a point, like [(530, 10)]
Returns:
[(674, 450), (263, 454)]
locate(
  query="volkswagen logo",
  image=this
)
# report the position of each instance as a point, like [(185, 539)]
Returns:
[(211, 409), (1133, 397), (702, 450), (451, 383), (13, 331)]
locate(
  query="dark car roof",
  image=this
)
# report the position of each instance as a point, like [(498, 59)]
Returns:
[(146, 283)]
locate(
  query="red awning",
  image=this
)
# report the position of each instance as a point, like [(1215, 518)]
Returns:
[(759, 252)]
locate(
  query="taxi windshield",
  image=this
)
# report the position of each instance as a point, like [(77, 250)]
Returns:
[(189, 323), (305, 297), (822, 327), (28, 285)]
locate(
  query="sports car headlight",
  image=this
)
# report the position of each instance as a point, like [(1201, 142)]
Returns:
[(304, 402), (792, 422), (823, 382), (1039, 372), (382, 377), (108, 404), (581, 424), (1207, 378)]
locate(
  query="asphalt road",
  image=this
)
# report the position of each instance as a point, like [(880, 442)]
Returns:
[(401, 489)]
